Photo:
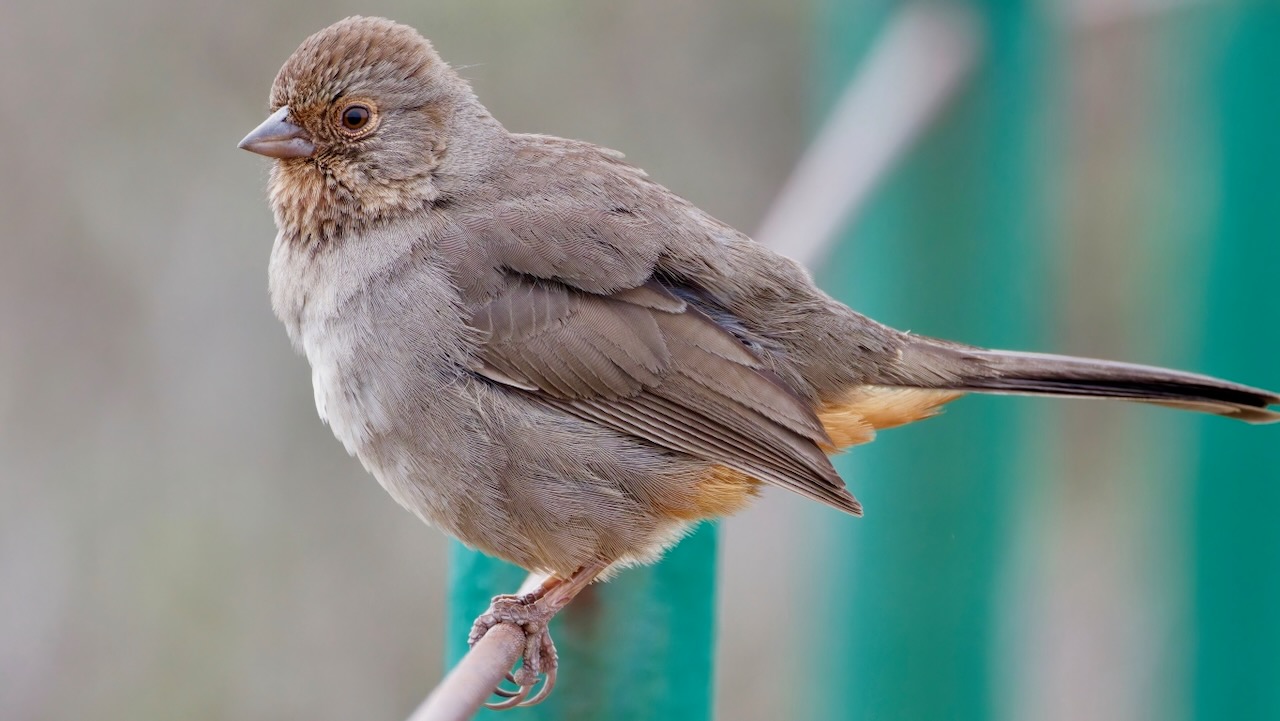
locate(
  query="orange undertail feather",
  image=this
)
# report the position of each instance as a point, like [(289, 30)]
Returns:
[(722, 492), (850, 420), (855, 417)]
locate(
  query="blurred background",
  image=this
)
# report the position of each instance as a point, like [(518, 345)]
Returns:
[(180, 537)]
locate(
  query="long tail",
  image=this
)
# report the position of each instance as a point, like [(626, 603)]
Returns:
[(962, 368)]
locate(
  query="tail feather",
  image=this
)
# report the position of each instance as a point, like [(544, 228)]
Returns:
[(997, 371)]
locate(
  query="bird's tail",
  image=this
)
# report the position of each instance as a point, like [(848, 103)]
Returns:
[(962, 368)]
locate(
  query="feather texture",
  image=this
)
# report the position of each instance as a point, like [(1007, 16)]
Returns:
[(644, 362)]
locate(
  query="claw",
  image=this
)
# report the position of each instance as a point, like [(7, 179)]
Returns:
[(548, 683), (505, 693), (532, 612), (538, 656), (516, 699), (521, 698)]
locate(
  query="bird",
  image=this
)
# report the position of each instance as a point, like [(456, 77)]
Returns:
[(544, 353)]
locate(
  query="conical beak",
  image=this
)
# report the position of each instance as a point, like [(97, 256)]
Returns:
[(279, 138)]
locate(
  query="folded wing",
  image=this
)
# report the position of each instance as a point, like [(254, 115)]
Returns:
[(644, 362)]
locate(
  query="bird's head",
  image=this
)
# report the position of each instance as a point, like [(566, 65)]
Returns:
[(363, 115)]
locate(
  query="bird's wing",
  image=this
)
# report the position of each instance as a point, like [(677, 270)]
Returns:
[(643, 361), (570, 212)]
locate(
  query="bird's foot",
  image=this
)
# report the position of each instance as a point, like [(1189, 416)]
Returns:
[(539, 657)]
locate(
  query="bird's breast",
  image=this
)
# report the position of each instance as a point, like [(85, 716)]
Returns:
[(379, 323), (346, 399)]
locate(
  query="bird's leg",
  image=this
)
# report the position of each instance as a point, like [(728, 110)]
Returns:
[(532, 613), (547, 584)]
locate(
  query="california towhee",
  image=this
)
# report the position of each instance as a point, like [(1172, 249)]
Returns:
[(536, 348)]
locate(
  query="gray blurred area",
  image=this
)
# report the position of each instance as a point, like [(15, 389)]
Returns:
[(180, 537)]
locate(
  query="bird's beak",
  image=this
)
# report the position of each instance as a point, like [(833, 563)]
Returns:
[(279, 138)]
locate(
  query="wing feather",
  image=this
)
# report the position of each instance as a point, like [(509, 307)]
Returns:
[(644, 362)]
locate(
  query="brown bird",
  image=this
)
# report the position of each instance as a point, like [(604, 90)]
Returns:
[(542, 352)]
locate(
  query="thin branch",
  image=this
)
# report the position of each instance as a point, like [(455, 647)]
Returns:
[(465, 689)]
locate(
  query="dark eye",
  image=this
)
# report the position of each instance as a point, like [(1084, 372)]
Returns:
[(355, 117)]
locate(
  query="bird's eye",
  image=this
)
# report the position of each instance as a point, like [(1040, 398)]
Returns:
[(356, 118)]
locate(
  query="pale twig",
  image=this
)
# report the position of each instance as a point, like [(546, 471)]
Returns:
[(472, 681), (465, 688)]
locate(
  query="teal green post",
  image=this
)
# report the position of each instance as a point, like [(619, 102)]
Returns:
[(956, 245), (1237, 491), (636, 648)]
